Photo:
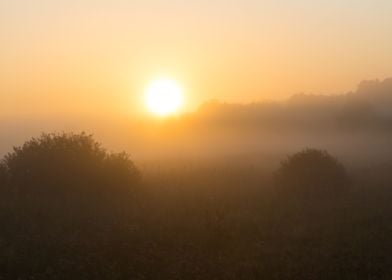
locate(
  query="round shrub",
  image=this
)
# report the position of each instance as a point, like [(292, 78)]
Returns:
[(68, 163), (311, 173)]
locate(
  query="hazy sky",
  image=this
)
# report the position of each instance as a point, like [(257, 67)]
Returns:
[(97, 56)]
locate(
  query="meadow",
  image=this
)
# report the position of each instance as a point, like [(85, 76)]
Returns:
[(72, 210)]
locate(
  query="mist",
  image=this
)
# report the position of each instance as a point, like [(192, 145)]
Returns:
[(355, 126), (275, 190), (196, 140)]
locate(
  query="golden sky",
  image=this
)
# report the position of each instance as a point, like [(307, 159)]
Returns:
[(96, 56)]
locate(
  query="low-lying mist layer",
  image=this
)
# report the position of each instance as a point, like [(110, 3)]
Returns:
[(355, 126)]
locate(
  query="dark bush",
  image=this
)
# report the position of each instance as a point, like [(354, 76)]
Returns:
[(311, 173), (68, 163), (3, 175)]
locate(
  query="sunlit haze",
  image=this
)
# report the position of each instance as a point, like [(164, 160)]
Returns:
[(196, 139), (91, 57), (164, 97)]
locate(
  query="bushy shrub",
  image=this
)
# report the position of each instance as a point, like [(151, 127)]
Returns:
[(311, 173), (68, 163), (3, 174)]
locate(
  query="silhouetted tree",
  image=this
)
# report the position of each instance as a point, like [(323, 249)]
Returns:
[(3, 181), (311, 173), (68, 163), (3, 174)]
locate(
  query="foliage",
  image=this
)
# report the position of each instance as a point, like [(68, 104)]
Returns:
[(60, 163), (3, 175), (311, 173), (219, 223)]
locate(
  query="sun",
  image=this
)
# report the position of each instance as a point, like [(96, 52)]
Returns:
[(163, 97)]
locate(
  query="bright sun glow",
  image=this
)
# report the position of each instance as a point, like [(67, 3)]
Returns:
[(163, 97)]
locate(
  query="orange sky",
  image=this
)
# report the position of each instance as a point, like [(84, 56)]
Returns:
[(95, 56)]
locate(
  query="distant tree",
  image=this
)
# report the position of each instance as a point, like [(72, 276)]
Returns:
[(311, 173), (358, 113), (68, 163)]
